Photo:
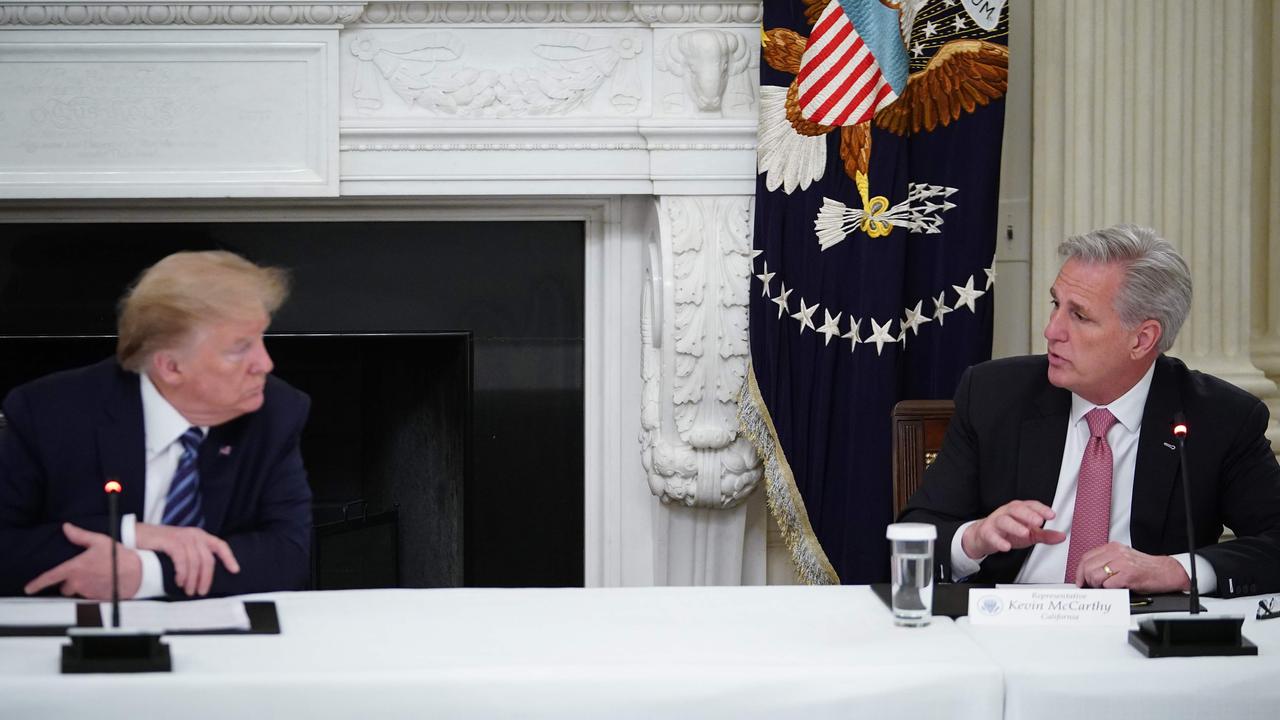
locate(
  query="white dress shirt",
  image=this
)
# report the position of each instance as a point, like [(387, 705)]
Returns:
[(163, 426), (1048, 563)]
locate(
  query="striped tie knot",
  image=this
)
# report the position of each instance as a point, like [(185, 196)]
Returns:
[(191, 440)]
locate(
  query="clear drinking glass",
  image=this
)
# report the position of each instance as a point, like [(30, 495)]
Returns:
[(911, 556)]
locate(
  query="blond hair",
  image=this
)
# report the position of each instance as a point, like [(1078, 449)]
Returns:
[(186, 289)]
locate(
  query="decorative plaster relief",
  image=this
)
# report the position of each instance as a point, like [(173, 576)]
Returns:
[(540, 146), (568, 69), (316, 12), (717, 67), (713, 12), (691, 448), (415, 13), (421, 13), (167, 112)]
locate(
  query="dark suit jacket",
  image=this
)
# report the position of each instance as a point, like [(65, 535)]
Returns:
[(70, 431), (1005, 443)]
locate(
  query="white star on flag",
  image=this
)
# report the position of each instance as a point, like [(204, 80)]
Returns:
[(930, 30), (991, 277), (917, 50), (960, 26), (854, 334), (968, 295), (831, 327), (940, 307), (765, 278), (914, 318), (880, 334), (781, 300), (805, 316), (756, 253)]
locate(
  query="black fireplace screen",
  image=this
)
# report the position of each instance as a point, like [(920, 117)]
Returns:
[(444, 361)]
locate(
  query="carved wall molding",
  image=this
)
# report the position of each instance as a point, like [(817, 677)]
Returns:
[(714, 65), (345, 12), (555, 146), (715, 12), (695, 353), (232, 12), (567, 69), (506, 13), (422, 13)]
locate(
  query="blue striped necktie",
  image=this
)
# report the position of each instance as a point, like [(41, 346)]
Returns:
[(182, 505)]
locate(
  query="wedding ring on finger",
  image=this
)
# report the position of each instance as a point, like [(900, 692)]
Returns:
[(1107, 569)]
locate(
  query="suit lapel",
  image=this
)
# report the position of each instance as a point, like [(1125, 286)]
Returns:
[(121, 442), (1157, 465), (218, 459), (1043, 436)]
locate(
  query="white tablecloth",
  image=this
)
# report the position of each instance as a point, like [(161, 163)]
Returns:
[(1094, 674), (621, 653)]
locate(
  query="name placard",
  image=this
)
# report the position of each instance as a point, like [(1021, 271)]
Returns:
[(1045, 606)]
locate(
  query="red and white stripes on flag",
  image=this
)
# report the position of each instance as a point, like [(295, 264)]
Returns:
[(840, 82)]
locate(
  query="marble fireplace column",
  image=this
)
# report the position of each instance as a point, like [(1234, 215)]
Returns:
[(695, 354)]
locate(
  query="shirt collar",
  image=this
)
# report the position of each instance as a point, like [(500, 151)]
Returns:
[(1127, 408), (162, 423)]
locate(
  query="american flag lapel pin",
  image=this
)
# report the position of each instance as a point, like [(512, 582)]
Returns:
[(224, 451)]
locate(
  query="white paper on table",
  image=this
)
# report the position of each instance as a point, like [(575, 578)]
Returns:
[(215, 614), (23, 612)]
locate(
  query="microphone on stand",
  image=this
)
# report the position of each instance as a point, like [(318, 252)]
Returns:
[(1180, 432), (1194, 636), (114, 649), (113, 523)]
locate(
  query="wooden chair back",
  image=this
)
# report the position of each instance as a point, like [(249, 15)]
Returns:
[(918, 429)]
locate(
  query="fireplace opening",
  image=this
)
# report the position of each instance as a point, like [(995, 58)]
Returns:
[(444, 361)]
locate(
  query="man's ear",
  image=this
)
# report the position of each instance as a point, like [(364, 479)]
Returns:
[(1146, 339), (166, 367)]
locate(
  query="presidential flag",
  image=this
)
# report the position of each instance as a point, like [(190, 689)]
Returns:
[(875, 227)]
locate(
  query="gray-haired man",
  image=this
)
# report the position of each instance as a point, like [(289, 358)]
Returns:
[(1062, 467)]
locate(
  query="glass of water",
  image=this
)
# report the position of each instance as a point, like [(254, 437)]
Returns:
[(911, 553)]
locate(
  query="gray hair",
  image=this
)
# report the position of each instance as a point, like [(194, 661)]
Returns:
[(1157, 281)]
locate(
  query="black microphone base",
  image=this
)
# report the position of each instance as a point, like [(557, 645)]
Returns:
[(115, 651), (1191, 637)]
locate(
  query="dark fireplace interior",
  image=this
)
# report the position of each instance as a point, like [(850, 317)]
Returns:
[(443, 359)]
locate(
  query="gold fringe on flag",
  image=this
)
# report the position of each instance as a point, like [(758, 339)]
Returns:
[(785, 503)]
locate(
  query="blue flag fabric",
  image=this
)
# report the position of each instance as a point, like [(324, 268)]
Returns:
[(874, 239)]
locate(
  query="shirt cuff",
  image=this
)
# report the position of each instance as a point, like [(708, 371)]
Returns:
[(129, 531), (962, 566), (152, 584), (1206, 578)]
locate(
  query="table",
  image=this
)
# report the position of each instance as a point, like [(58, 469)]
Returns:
[(812, 652), (1093, 673)]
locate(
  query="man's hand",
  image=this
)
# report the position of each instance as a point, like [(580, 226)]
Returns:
[(1119, 566), (89, 573), (1015, 525), (192, 551)]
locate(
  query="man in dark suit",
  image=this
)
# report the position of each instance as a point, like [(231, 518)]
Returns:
[(186, 416), (1063, 467)]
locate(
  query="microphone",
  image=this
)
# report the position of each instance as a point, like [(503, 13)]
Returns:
[(1196, 636), (113, 649), (1180, 432), (113, 489)]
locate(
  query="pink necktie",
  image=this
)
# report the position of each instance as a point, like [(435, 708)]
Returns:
[(1091, 523)]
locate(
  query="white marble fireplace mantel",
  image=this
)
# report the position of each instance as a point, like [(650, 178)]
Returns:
[(639, 118)]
